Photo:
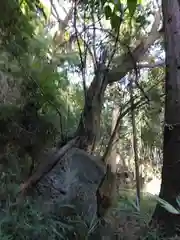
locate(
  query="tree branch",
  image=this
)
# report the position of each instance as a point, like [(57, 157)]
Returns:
[(58, 37), (124, 63), (151, 65), (122, 114), (46, 167), (55, 14)]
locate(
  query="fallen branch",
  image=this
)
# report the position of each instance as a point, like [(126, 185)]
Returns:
[(47, 166)]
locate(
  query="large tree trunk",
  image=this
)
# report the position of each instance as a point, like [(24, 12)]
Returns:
[(89, 125), (170, 187)]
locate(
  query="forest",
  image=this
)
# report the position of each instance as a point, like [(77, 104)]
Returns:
[(89, 119)]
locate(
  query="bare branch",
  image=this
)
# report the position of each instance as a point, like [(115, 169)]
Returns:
[(56, 15), (42, 170), (58, 37), (124, 63), (151, 65), (81, 55), (122, 114)]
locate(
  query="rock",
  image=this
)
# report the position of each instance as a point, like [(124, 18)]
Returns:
[(74, 180)]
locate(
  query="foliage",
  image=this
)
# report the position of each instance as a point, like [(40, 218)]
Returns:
[(115, 10), (28, 220), (38, 113), (43, 79), (16, 30)]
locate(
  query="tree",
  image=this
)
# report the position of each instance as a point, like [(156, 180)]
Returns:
[(170, 187), (89, 123), (106, 72)]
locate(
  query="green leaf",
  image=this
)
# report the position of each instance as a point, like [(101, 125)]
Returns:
[(108, 12), (131, 4), (167, 206), (115, 20), (141, 19), (103, 2)]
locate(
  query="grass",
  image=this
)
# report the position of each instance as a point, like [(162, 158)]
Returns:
[(27, 221), (131, 221)]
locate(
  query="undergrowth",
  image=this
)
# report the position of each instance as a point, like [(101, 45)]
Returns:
[(29, 221)]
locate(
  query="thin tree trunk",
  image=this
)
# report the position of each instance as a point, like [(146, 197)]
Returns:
[(112, 153), (170, 186), (135, 144), (106, 191)]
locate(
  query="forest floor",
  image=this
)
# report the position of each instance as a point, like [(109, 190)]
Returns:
[(131, 220), (26, 221)]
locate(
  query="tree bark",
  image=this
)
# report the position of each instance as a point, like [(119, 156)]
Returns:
[(89, 124), (170, 186), (47, 166), (111, 150)]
